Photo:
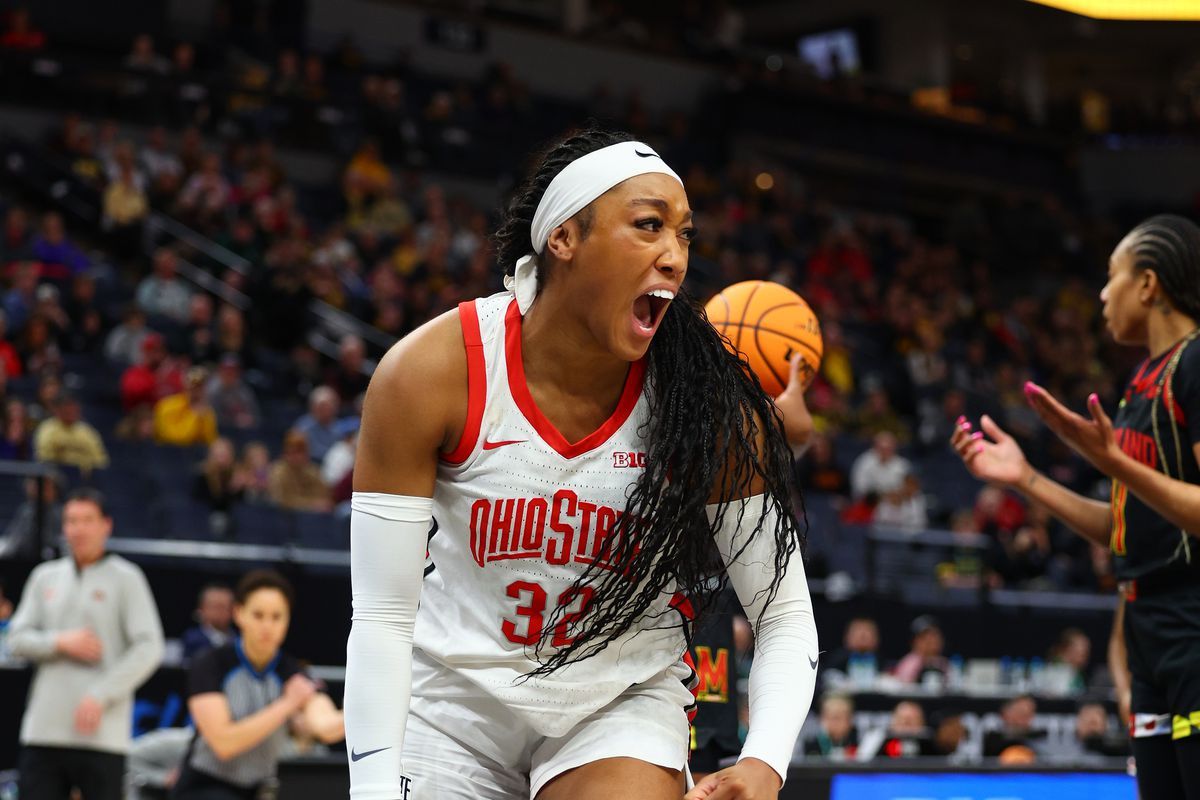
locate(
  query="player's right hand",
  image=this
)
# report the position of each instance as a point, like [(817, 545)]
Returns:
[(80, 644), (996, 457), (298, 690)]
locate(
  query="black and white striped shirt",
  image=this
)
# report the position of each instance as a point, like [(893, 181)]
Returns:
[(247, 690)]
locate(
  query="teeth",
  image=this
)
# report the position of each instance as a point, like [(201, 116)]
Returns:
[(665, 294)]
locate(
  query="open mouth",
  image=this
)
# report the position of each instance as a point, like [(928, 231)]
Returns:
[(648, 309)]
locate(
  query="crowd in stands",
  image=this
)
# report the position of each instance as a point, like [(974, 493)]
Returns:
[(922, 322)]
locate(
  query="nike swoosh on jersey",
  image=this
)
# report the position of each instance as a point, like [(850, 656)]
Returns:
[(812, 662), (360, 756), (493, 445)]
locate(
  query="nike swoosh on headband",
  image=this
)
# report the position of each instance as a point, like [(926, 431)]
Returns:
[(360, 756), (645, 155)]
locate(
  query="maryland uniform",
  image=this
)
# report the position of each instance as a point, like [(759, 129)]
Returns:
[(519, 513), (1157, 424)]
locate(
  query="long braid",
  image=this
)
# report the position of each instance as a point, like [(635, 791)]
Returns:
[(711, 429)]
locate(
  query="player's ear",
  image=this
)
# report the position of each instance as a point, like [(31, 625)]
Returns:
[(563, 240)]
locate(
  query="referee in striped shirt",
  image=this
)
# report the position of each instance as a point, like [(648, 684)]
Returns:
[(242, 696)]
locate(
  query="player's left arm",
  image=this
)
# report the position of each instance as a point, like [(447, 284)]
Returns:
[(783, 677)]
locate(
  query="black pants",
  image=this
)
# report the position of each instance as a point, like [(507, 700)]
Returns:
[(50, 773)]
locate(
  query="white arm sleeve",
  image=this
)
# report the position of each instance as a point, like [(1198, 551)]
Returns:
[(784, 675), (388, 538)]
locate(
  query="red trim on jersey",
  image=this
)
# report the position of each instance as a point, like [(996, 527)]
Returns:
[(545, 428), (476, 383)]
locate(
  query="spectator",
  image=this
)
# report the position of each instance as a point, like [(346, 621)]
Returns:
[(21, 298), (186, 419), (15, 237), (23, 538), (156, 377), (124, 343), (905, 736), (196, 340), (925, 657), (232, 400), (136, 426), (231, 335), (295, 482), (878, 470), (38, 349), (10, 361), (819, 472), (143, 58), (903, 508), (349, 376), (84, 317), (877, 416), (1093, 740), (162, 167), (255, 468), (997, 511), (14, 442), (242, 695), (206, 193), (319, 425), (66, 439), (124, 207), (21, 35), (1073, 650), (162, 294), (340, 458), (860, 650), (219, 482), (836, 737), (214, 622), (89, 622), (55, 250), (949, 733), (1016, 717)]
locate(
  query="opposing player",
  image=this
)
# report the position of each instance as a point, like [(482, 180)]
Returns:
[(574, 451), (1151, 451)]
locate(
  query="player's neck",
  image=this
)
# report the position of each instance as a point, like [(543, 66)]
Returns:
[(558, 349), (1165, 328)]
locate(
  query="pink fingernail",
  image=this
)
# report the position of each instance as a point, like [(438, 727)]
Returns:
[(977, 435), (1093, 398), (960, 420), (966, 426), (1029, 387)]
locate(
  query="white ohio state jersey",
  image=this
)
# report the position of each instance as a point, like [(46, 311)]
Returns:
[(519, 512)]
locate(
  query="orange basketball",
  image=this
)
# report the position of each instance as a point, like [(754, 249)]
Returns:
[(767, 324)]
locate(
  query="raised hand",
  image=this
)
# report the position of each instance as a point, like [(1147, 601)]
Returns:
[(797, 421), (996, 458), (1091, 438)]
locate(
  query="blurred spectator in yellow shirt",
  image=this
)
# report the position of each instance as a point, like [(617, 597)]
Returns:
[(186, 419), (66, 439), (295, 482)]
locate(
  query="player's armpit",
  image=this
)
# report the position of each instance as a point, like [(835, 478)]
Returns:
[(415, 407)]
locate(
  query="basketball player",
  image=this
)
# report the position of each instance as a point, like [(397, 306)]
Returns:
[(1150, 451), (569, 452)]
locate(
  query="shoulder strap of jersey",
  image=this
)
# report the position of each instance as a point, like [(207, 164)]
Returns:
[(468, 314)]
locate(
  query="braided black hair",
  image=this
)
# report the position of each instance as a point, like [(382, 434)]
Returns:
[(1170, 245), (711, 428)]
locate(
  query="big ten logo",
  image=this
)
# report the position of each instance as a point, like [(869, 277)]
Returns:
[(712, 674), (629, 460)]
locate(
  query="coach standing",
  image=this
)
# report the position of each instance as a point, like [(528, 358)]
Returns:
[(89, 623)]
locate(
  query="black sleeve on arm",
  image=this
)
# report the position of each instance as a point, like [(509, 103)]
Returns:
[(208, 671)]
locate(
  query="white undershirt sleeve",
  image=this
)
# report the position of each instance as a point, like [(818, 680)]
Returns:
[(784, 675), (388, 538)]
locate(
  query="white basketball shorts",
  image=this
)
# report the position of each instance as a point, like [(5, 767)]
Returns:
[(463, 743)]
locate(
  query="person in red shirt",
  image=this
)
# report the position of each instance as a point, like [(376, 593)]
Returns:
[(154, 378), (21, 34)]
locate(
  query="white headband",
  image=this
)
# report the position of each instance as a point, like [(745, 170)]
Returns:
[(579, 183)]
